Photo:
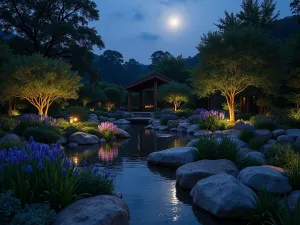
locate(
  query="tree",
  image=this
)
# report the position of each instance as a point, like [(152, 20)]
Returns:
[(91, 93), (173, 67), (174, 93), (41, 81), (259, 15), (235, 59), (295, 7), (113, 95), (158, 56)]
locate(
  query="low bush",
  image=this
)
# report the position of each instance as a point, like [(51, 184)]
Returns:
[(246, 135), (70, 130), (9, 207), (23, 125), (212, 123), (157, 114), (96, 183), (281, 154), (266, 205), (227, 149), (91, 130), (79, 112), (166, 117), (34, 214), (42, 134), (100, 113), (7, 123), (246, 161), (11, 144), (292, 171), (255, 143), (183, 113), (107, 130), (265, 124)]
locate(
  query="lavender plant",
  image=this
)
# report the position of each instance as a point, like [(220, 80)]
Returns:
[(107, 130)]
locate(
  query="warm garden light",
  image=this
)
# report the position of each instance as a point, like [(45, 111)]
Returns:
[(73, 119)]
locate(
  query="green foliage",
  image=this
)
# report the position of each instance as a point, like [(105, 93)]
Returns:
[(11, 144), (212, 123), (100, 113), (41, 80), (7, 123), (157, 114), (95, 184), (255, 143), (280, 154), (210, 148), (24, 124), (246, 135), (78, 111), (183, 113), (1, 133), (113, 95), (246, 161), (71, 128), (174, 93), (107, 135), (286, 216), (265, 124), (292, 171), (266, 205), (91, 130), (91, 93), (34, 214), (9, 207), (42, 134)]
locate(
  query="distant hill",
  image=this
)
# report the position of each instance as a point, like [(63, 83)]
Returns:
[(285, 28)]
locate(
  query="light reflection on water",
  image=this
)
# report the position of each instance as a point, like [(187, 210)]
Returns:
[(149, 191)]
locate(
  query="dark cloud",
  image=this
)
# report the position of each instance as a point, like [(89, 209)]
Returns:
[(118, 14), (138, 16), (149, 36)]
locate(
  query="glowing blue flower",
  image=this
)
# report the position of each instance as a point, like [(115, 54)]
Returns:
[(63, 170), (40, 165), (29, 169)]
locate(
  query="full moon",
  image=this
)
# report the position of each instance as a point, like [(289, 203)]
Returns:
[(174, 22)]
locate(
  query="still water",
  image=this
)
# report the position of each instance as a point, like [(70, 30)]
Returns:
[(149, 191)]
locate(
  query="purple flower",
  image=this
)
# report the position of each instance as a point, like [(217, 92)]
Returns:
[(63, 170), (29, 169), (30, 139), (76, 173), (67, 163), (40, 165)]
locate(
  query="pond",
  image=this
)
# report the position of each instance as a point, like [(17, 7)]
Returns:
[(149, 191)]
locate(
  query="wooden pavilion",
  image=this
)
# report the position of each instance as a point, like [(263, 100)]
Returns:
[(149, 83)]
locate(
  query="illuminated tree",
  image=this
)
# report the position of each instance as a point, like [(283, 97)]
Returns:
[(174, 93), (41, 81), (235, 59), (113, 96)]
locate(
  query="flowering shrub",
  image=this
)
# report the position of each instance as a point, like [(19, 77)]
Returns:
[(166, 117), (199, 111), (40, 173), (32, 116), (107, 130), (203, 114)]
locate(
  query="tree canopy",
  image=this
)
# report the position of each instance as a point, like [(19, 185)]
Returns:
[(174, 93), (40, 81), (235, 59)]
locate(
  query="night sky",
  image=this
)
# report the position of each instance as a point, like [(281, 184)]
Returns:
[(137, 28)]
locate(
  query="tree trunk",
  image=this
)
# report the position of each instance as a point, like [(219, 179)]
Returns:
[(230, 102), (175, 107), (46, 110), (40, 110)]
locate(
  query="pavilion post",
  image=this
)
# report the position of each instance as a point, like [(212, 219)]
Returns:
[(129, 101), (141, 101), (155, 95)]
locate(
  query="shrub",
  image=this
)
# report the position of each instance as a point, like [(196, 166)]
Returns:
[(266, 205), (265, 124), (255, 143), (71, 130), (9, 206), (211, 123), (157, 114), (78, 111), (34, 214), (280, 154), (183, 113), (32, 116), (246, 135), (42, 134), (292, 171), (166, 117), (1, 133), (227, 149), (23, 125), (246, 161), (207, 147), (11, 144), (286, 216), (96, 183), (107, 130), (100, 113), (91, 130), (7, 123)]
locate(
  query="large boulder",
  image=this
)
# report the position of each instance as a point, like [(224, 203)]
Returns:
[(244, 151), (98, 210), (202, 133), (240, 125), (122, 121), (10, 138), (263, 134), (256, 156), (193, 128), (192, 143), (233, 133), (63, 140), (224, 196), (163, 128), (173, 157), (239, 143), (293, 199), (156, 123), (93, 118), (173, 123), (182, 127), (148, 127), (265, 178), (189, 174), (272, 141), (82, 138), (278, 132), (285, 139), (295, 133), (122, 134)]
